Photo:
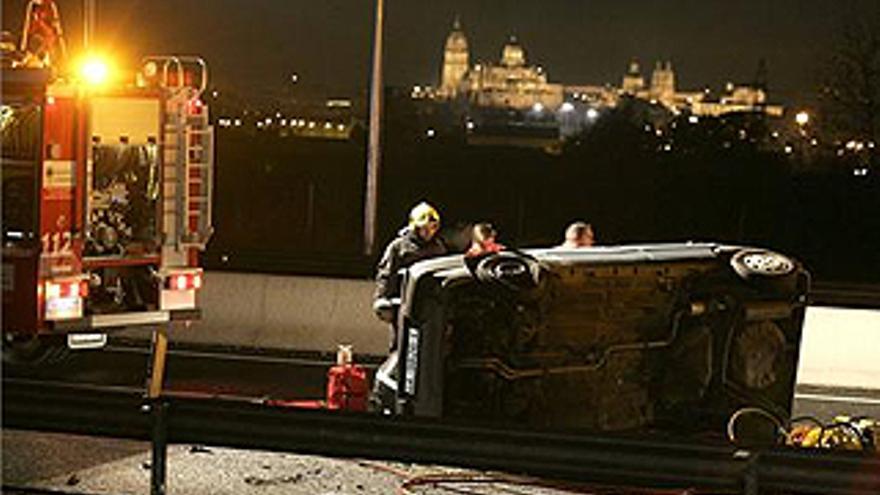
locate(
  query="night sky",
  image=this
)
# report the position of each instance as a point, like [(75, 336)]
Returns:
[(254, 45)]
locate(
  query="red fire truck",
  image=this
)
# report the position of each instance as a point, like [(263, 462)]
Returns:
[(106, 203)]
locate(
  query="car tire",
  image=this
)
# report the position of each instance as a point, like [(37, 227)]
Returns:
[(765, 269)]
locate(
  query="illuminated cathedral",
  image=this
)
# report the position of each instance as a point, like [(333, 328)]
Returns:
[(512, 83)]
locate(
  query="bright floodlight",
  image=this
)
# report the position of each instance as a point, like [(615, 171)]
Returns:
[(567, 107), (95, 71), (802, 118)]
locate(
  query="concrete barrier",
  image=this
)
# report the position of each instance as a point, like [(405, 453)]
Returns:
[(840, 348), (285, 312)]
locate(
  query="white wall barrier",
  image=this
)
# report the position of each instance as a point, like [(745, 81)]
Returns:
[(840, 347), (285, 312)]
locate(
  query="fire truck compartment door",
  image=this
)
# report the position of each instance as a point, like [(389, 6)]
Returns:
[(134, 118)]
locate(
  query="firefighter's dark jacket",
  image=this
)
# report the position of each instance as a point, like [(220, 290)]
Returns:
[(406, 249)]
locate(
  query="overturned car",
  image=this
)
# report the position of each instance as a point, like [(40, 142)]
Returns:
[(665, 337)]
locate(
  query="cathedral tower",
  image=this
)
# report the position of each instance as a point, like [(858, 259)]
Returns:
[(663, 82), (455, 61)]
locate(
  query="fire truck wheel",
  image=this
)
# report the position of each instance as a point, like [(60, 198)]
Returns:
[(32, 352)]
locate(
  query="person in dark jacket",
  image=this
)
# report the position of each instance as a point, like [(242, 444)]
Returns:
[(417, 241)]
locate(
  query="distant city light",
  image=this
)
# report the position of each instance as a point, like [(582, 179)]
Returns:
[(312, 124), (215, 93), (854, 145), (775, 134), (567, 107), (430, 133), (340, 127), (268, 120), (538, 107), (593, 114), (284, 122), (237, 122), (860, 172), (294, 78), (693, 119), (788, 149), (667, 147), (277, 115), (814, 142), (802, 118), (470, 125)]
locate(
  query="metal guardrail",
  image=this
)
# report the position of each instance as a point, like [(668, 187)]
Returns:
[(611, 460)]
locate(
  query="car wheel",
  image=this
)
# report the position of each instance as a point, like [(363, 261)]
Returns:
[(764, 269)]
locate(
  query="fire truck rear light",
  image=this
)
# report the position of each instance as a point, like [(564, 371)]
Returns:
[(73, 289), (190, 280), (53, 290), (66, 289), (64, 298)]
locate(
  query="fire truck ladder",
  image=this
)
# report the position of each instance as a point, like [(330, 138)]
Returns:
[(188, 154), (199, 191)]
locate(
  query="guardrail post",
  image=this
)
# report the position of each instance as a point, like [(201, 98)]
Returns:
[(750, 477), (158, 409)]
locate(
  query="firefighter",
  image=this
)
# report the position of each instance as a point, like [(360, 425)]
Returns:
[(483, 240), (417, 241), (578, 235)]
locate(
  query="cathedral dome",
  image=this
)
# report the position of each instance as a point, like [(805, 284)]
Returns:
[(513, 54)]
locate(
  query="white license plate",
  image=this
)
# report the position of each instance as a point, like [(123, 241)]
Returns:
[(86, 340), (64, 308)]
